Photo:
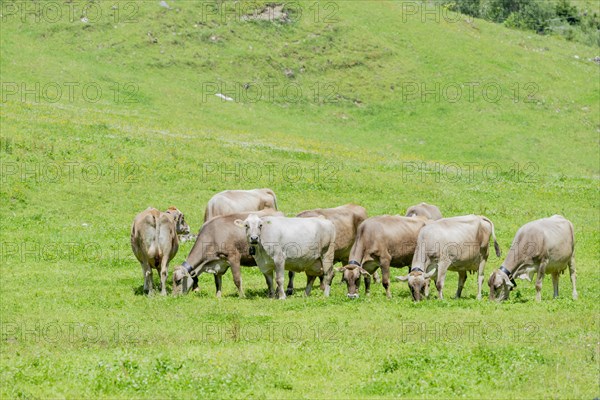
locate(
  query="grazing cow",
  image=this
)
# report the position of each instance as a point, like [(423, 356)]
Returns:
[(154, 242), (235, 201), (457, 244), (544, 246), (220, 244), (428, 211), (346, 220), (383, 241), (296, 244)]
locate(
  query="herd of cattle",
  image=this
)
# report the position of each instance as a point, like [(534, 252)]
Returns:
[(243, 227)]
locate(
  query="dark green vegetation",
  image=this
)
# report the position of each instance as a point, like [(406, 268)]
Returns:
[(576, 21), (364, 107)]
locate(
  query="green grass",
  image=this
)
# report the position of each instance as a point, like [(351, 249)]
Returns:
[(75, 173)]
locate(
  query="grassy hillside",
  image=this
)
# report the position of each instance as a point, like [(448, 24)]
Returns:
[(349, 101)]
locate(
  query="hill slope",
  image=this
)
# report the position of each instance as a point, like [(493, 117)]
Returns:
[(350, 101)]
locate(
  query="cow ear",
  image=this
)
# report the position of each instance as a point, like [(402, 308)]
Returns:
[(430, 273), (340, 269), (240, 223), (402, 278), (364, 271), (507, 281)]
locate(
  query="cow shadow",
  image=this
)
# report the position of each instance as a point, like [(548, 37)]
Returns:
[(252, 293), (139, 290)]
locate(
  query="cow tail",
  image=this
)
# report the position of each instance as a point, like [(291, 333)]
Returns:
[(496, 245)]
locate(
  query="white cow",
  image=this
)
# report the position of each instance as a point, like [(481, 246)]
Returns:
[(235, 201), (296, 244), (457, 244), (546, 245), (428, 211)]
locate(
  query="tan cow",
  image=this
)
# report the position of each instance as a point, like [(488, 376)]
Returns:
[(346, 220), (546, 245), (234, 201), (154, 242), (220, 244), (384, 241), (450, 244), (428, 211)]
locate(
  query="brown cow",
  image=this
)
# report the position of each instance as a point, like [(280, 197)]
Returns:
[(220, 244), (428, 211), (383, 241), (346, 220), (235, 201), (154, 242), (546, 245)]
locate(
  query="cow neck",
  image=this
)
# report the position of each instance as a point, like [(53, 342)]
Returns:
[(509, 274), (194, 259)]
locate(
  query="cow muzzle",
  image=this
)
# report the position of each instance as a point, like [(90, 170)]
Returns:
[(253, 239), (353, 295)]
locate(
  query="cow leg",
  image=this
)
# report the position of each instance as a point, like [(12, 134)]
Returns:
[(327, 280), (322, 282), (327, 266), (163, 275), (441, 278), (290, 287), (480, 277), (218, 284), (539, 280), (385, 276), (195, 287), (555, 283), (462, 278), (367, 285), (269, 280), (309, 283), (147, 271), (237, 276), (279, 272), (573, 276)]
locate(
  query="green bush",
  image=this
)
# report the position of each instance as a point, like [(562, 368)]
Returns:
[(560, 18)]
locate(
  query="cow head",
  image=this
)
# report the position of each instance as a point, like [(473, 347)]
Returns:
[(418, 282), (253, 225), (182, 281), (351, 275), (500, 285), (181, 226)]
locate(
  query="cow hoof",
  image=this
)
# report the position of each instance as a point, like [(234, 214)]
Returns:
[(218, 295), (289, 292), (196, 289)]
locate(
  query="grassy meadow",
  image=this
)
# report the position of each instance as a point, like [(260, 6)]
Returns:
[(108, 108)]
